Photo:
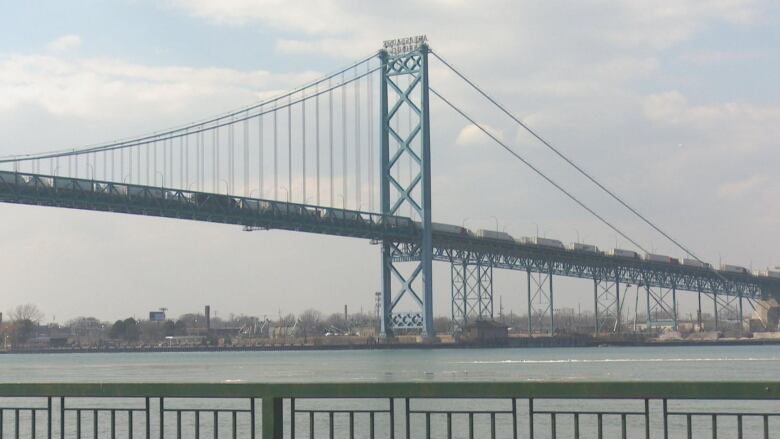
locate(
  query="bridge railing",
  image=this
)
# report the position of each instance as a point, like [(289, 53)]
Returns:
[(392, 410)]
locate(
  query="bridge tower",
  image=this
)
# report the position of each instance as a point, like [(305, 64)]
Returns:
[(404, 73)]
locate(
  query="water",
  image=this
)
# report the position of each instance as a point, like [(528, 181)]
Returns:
[(694, 363), (711, 363)]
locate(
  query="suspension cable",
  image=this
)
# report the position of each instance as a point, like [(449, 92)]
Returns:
[(569, 161), (212, 120), (536, 170), (191, 129)]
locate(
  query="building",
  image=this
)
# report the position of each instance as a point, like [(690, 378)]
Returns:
[(485, 332)]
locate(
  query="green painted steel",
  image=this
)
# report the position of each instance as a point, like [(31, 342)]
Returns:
[(406, 74), (275, 419), (493, 389)]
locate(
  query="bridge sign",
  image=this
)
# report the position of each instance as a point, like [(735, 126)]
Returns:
[(400, 46)]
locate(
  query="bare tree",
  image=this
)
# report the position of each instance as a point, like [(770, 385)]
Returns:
[(309, 323), (28, 312)]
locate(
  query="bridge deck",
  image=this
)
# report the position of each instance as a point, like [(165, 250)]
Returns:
[(47, 190)]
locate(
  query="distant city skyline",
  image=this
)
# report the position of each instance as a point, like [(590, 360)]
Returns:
[(671, 103)]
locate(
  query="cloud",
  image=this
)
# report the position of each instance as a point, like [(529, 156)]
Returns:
[(472, 135), (592, 77), (744, 187), (64, 43), (104, 87)]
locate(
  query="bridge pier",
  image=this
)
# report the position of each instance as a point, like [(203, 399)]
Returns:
[(606, 305), (472, 291), (661, 302), (540, 302), (728, 309)]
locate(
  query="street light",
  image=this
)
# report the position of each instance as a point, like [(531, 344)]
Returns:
[(162, 178), (287, 191), (227, 186), (496, 220)]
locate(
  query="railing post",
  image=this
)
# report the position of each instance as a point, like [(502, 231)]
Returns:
[(62, 417), (273, 420), (666, 420), (48, 424)]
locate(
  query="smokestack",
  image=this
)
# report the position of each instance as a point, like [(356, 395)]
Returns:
[(208, 318), (345, 313)]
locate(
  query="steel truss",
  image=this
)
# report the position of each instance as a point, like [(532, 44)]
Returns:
[(728, 310), (253, 213), (407, 76), (589, 266), (661, 306), (606, 305), (540, 302), (472, 292)]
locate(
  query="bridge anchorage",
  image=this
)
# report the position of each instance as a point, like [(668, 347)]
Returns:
[(311, 160)]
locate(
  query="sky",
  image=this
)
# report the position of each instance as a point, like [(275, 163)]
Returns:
[(673, 104)]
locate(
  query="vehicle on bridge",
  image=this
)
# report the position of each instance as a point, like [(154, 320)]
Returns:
[(771, 273), (494, 235), (579, 247), (621, 253), (651, 257), (695, 263), (734, 269)]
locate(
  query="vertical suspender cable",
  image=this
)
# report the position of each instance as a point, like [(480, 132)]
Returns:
[(370, 113), (317, 136), (187, 162), (215, 142), (170, 163), (181, 163), (303, 141), (231, 156), (289, 148), (246, 157), (146, 151), (344, 143), (330, 139), (276, 157), (199, 161), (154, 161), (165, 162), (358, 182), (137, 162), (260, 154)]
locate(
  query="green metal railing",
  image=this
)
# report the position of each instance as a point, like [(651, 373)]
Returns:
[(392, 410)]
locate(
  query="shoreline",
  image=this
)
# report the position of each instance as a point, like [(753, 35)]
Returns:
[(518, 343)]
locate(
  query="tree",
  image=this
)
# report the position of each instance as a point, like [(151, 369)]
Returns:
[(132, 331), (309, 322), (126, 329), (27, 311), (117, 331), (21, 330)]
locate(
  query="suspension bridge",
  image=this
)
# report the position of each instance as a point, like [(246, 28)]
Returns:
[(350, 155)]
